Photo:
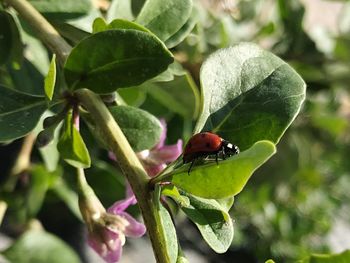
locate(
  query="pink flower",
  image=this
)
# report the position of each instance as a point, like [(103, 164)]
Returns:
[(108, 229), (156, 159)]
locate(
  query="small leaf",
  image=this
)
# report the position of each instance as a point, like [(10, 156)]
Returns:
[(121, 58), (99, 25), (248, 95), (50, 79), (170, 233), (72, 147), (214, 224), (40, 247), (142, 129), (228, 177), (164, 17), (172, 192), (67, 9), (125, 24), (19, 113), (343, 257), (184, 31), (11, 46)]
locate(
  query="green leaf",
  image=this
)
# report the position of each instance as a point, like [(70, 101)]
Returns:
[(50, 79), (11, 46), (170, 233), (67, 9), (40, 247), (120, 9), (142, 129), (99, 25), (39, 184), (164, 17), (172, 192), (228, 177), (248, 95), (226, 203), (213, 222), (184, 31), (343, 257), (269, 261), (19, 113), (72, 147), (180, 95), (122, 58)]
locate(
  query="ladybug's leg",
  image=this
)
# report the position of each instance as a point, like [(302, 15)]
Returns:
[(223, 153), (216, 158), (189, 170)]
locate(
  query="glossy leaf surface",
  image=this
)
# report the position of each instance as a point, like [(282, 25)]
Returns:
[(115, 59), (228, 177), (19, 113)]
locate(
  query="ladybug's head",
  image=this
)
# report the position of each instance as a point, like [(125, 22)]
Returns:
[(230, 149)]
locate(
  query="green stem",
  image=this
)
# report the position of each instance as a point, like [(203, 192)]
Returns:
[(131, 167), (113, 135)]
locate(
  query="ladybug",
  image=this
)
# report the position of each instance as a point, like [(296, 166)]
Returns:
[(206, 143)]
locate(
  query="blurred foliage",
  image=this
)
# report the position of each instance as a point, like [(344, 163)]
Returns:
[(290, 206)]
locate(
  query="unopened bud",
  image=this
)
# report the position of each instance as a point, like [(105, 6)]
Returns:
[(44, 137)]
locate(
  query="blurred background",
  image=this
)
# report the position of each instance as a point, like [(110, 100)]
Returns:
[(296, 204)]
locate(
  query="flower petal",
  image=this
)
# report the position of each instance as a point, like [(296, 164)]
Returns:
[(128, 192), (167, 153), (121, 205), (108, 245), (153, 170), (135, 228), (161, 142)]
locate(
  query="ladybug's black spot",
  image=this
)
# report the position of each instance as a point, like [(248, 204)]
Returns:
[(208, 145), (203, 135), (189, 145)]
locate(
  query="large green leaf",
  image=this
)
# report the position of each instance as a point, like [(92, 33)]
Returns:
[(228, 177), (114, 59), (212, 220), (40, 247), (19, 113), (62, 9), (164, 17), (72, 147), (141, 128), (248, 95), (343, 257), (10, 41)]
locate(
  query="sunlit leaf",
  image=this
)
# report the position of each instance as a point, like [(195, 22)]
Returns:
[(228, 177)]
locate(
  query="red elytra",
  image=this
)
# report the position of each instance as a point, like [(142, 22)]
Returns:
[(206, 143)]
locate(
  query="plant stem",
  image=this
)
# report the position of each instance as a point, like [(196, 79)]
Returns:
[(46, 32), (130, 165), (112, 133)]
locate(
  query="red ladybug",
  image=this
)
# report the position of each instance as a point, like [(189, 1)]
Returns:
[(206, 143)]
